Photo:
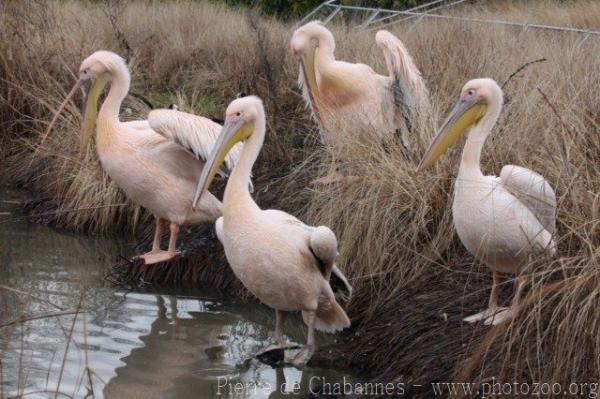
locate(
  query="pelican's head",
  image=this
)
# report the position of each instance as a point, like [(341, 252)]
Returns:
[(240, 119), (476, 98), (309, 36), (304, 43), (94, 73), (100, 63)]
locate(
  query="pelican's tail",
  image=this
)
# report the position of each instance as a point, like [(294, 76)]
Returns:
[(330, 315)]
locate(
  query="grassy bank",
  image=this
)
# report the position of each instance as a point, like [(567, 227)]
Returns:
[(414, 280)]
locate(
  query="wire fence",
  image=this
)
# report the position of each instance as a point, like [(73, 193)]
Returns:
[(376, 18)]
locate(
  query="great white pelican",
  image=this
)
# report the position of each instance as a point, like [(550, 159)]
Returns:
[(352, 101), (503, 221), (282, 261), (156, 162)]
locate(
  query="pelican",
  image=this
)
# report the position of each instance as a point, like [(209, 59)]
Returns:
[(282, 261), (156, 162), (353, 98), (503, 221)]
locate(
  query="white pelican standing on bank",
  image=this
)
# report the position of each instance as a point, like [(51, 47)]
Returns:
[(503, 221), (282, 261), (352, 100), (155, 162)]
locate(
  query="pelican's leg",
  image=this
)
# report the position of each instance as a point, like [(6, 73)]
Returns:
[(174, 227), (163, 256), (158, 232), (279, 320), (275, 353), (304, 355), (493, 307), (507, 314)]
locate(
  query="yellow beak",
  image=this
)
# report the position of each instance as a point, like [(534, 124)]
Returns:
[(465, 114), (233, 131), (90, 111), (93, 91), (307, 63), (60, 110)]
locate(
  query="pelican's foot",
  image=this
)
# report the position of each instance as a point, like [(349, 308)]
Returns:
[(299, 357), (499, 317), (276, 354), (486, 314), (151, 258)]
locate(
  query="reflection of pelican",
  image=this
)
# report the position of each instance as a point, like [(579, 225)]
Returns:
[(282, 261), (153, 171), (167, 350), (502, 221), (354, 95)]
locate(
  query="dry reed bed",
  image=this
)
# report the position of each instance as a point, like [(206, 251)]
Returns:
[(414, 281)]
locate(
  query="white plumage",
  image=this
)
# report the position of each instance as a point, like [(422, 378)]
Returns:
[(352, 98), (533, 191), (505, 221), (195, 133)]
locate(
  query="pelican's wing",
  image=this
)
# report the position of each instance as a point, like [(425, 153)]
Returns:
[(195, 133), (409, 90), (533, 191), (286, 218), (140, 124)]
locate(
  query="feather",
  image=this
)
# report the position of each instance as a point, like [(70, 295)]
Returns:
[(533, 191), (195, 133)]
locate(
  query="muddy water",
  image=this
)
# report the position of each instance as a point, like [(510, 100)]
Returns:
[(125, 344)]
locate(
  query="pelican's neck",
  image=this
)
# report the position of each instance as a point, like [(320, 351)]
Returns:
[(237, 190), (119, 87), (471, 156), (324, 53)]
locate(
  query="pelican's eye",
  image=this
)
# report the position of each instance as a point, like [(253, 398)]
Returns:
[(238, 114), (471, 92), (85, 74)]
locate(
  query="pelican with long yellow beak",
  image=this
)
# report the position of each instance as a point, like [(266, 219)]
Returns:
[(352, 101), (282, 261), (156, 162), (503, 221)]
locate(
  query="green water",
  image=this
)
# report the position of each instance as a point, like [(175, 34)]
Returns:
[(126, 344)]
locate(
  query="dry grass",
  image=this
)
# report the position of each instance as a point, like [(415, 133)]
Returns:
[(414, 279)]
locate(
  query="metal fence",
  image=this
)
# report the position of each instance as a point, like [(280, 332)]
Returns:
[(375, 18)]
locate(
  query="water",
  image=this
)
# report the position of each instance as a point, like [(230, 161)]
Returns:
[(142, 344)]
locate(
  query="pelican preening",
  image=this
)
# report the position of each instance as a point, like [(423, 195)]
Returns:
[(353, 99), (282, 261), (502, 221), (167, 163), (155, 162)]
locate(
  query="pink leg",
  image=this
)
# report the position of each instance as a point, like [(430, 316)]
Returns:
[(499, 318), (173, 239), (493, 307), (163, 256), (158, 232)]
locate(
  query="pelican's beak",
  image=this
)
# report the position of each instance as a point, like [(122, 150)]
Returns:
[(465, 114), (234, 130), (307, 63), (60, 110), (93, 89)]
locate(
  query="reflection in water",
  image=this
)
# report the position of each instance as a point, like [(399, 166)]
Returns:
[(126, 344)]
